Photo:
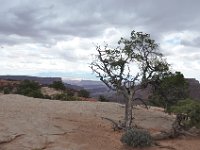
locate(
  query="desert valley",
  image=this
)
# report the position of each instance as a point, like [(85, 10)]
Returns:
[(28, 123)]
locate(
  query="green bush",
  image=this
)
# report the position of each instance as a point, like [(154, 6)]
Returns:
[(191, 109), (30, 88), (35, 94), (102, 99), (168, 90), (62, 96), (58, 85), (7, 90), (46, 97), (29, 84), (74, 98), (70, 92), (65, 97), (137, 138), (84, 93)]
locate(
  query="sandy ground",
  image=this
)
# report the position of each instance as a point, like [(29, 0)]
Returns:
[(38, 124)]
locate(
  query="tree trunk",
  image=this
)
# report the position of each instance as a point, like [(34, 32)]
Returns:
[(128, 113)]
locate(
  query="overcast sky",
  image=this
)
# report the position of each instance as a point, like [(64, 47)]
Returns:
[(58, 37)]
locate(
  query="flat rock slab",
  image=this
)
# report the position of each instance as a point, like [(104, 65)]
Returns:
[(35, 124)]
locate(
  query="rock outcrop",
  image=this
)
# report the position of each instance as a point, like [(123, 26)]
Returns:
[(194, 88)]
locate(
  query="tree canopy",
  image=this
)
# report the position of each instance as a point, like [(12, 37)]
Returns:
[(58, 85), (134, 61), (170, 88)]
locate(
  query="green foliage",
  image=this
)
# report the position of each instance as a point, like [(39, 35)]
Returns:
[(84, 93), (7, 90), (30, 88), (35, 94), (62, 96), (70, 93), (75, 98), (102, 99), (115, 68), (168, 89), (65, 97), (191, 109), (58, 85), (137, 138), (29, 84), (46, 97)]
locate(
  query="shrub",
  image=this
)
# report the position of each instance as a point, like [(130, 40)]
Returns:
[(29, 84), (62, 96), (35, 94), (65, 97), (74, 98), (7, 90), (191, 109), (70, 92), (137, 138), (84, 93), (168, 90), (30, 88), (58, 85), (102, 99), (46, 97)]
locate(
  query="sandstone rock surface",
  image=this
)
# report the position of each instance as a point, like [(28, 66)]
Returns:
[(37, 124)]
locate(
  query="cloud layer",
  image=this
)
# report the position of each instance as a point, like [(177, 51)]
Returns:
[(60, 35)]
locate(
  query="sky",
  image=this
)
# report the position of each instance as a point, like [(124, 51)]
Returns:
[(58, 37)]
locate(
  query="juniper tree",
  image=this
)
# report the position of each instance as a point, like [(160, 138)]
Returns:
[(170, 88), (135, 61)]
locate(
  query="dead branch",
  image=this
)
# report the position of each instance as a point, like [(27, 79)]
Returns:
[(163, 146), (177, 129), (116, 126)]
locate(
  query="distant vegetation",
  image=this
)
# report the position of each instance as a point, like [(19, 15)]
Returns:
[(65, 97), (30, 88), (58, 85), (84, 93), (33, 89), (7, 90), (103, 98), (190, 109)]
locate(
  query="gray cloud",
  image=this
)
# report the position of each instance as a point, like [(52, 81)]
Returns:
[(191, 57), (44, 23), (191, 42), (43, 20)]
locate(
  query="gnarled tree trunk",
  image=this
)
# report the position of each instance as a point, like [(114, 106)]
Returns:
[(128, 112)]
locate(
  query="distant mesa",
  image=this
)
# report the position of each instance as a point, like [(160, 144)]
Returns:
[(74, 87), (40, 80), (97, 88), (44, 81), (194, 88)]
